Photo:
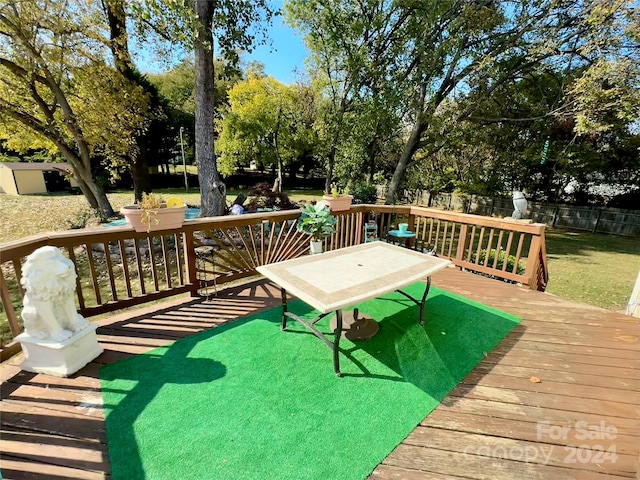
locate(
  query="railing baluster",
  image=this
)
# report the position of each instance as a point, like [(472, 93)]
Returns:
[(112, 277), (489, 247), (472, 240), (451, 238), (79, 295), (17, 268), (507, 252), (125, 267), (179, 263), (94, 275), (152, 260), (498, 249), (518, 253), (12, 318), (165, 260), (477, 260), (252, 236), (137, 253)]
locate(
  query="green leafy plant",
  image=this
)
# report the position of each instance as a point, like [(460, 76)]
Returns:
[(511, 260), (364, 192), (316, 220)]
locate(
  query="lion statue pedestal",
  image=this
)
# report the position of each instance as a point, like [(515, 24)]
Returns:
[(57, 340)]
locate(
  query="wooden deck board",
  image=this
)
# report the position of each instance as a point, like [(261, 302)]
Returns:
[(588, 361)]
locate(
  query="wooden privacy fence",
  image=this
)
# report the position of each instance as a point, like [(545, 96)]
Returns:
[(117, 267)]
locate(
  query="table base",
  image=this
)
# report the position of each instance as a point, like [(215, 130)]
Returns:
[(337, 323), (355, 326)]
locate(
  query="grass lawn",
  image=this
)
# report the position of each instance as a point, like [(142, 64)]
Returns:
[(596, 269), (22, 216)]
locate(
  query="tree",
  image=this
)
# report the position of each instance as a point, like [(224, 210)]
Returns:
[(265, 122), (193, 26), (38, 83), (351, 43), (418, 55)]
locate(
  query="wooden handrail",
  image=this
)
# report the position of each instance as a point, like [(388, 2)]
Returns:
[(120, 268)]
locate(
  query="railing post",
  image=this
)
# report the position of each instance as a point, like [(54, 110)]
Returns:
[(462, 241), (533, 262), (359, 228), (190, 261)]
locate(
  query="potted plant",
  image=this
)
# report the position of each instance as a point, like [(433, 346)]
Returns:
[(336, 200), (153, 213), (317, 221)]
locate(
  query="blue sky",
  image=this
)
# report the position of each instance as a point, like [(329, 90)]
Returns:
[(284, 56)]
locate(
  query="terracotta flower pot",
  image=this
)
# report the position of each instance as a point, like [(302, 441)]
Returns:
[(338, 204), (160, 219)]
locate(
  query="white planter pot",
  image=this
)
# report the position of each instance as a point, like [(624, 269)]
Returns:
[(316, 246)]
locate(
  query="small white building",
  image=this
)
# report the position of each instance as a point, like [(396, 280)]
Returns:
[(20, 178)]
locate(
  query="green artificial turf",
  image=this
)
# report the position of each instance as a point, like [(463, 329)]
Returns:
[(248, 401)]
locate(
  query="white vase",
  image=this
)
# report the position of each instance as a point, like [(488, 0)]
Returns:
[(316, 246)]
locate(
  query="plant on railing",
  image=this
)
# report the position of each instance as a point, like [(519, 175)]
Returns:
[(338, 201), (152, 213), (511, 260), (150, 204), (335, 191), (317, 221)]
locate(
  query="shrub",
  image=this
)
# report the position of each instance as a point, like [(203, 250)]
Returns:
[(511, 260), (262, 196), (85, 218), (364, 192)]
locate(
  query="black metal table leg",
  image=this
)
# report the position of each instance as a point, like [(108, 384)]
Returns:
[(336, 343), (420, 302), (424, 299), (283, 292)]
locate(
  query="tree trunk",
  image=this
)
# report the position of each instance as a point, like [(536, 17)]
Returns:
[(409, 149), (212, 189), (140, 174), (277, 149), (119, 44), (371, 160)]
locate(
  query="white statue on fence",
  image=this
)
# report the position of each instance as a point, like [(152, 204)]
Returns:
[(520, 205), (49, 281)]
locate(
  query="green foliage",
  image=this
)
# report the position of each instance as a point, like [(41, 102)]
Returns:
[(266, 122), (412, 60), (479, 259), (364, 192), (317, 221)]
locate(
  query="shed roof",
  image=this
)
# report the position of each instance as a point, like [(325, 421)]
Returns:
[(35, 166)]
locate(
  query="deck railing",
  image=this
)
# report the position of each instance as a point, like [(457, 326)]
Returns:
[(119, 268)]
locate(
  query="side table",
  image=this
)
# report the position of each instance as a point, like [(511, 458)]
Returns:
[(397, 235)]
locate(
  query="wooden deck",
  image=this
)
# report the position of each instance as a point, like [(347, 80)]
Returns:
[(497, 424)]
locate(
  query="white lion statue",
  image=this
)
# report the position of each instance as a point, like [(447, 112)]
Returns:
[(49, 281)]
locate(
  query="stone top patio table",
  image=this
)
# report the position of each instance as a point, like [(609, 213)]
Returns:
[(338, 279)]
